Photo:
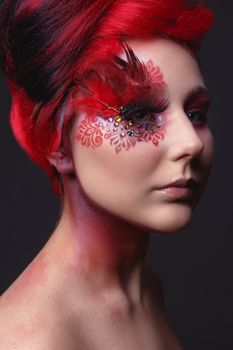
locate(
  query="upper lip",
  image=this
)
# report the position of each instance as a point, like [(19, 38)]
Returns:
[(182, 182)]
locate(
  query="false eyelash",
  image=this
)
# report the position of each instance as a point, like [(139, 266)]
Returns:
[(158, 104), (140, 110)]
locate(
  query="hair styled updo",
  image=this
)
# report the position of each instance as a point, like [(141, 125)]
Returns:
[(46, 44)]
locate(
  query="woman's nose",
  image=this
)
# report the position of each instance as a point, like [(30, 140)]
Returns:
[(185, 138)]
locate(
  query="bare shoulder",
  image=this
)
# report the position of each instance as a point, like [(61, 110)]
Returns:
[(17, 328), (23, 309), (154, 285), (38, 329), (33, 323), (24, 324)]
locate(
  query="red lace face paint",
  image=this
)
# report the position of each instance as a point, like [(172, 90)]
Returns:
[(124, 104), (122, 134)]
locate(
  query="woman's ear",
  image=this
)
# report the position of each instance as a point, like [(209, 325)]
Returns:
[(62, 158)]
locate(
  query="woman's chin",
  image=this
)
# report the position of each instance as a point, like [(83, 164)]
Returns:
[(172, 227), (168, 220), (174, 220)]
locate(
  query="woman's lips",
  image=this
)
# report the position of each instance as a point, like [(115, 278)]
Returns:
[(180, 188), (177, 192)]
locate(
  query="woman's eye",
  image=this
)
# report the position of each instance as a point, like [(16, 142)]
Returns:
[(198, 117), (138, 112)]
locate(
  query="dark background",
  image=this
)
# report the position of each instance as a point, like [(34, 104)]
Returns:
[(195, 265)]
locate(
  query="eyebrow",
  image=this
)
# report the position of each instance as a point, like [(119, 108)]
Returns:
[(199, 93)]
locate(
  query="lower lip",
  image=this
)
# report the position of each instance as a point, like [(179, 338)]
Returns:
[(176, 192)]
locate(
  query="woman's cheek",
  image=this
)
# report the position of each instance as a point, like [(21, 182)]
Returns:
[(101, 146)]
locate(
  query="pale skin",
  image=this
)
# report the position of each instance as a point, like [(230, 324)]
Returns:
[(89, 288)]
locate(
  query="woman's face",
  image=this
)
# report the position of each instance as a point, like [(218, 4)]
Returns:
[(135, 182)]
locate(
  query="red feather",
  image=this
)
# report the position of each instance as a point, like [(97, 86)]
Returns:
[(118, 82)]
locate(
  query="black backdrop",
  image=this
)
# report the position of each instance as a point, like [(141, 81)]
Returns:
[(196, 264)]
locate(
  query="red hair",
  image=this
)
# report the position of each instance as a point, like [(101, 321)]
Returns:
[(45, 45)]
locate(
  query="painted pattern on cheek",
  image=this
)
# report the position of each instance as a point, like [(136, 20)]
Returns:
[(135, 112), (122, 134)]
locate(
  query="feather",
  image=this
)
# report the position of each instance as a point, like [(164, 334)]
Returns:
[(119, 82)]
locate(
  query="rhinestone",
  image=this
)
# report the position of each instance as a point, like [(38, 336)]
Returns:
[(122, 134), (115, 129), (159, 119), (118, 119), (116, 124), (126, 127), (110, 120), (158, 125), (107, 129), (130, 133), (123, 109), (130, 123)]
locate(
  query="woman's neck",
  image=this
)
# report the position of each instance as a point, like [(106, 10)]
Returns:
[(105, 253)]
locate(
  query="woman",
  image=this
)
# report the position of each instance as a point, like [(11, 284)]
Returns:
[(109, 100)]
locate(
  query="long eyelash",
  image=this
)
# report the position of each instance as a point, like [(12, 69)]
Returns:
[(139, 110), (158, 105)]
